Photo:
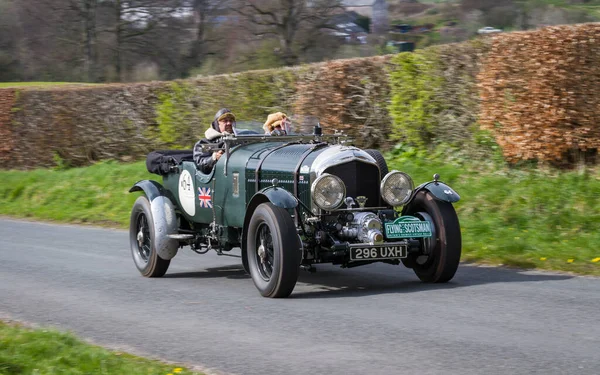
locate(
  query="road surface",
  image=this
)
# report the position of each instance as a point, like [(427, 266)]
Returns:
[(377, 319)]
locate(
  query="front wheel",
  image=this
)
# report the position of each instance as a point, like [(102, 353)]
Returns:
[(273, 251), (439, 262), (142, 241)]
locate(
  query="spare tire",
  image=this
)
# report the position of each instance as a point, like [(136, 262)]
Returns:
[(383, 168)]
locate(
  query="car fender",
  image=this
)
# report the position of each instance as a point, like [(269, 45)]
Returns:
[(279, 197), (439, 190), (163, 216), (276, 195)]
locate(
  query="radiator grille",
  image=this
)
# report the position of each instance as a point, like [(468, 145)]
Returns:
[(360, 179)]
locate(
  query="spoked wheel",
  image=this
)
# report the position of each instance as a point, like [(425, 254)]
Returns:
[(141, 238), (439, 260), (265, 257), (273, 251)]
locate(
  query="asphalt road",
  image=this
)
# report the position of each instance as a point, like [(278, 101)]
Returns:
[(368, 320)]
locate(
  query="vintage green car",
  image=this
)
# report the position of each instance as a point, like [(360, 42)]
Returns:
[(290, 202)]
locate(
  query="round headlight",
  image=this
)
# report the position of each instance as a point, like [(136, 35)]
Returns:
[(328, 191), (396, 188)]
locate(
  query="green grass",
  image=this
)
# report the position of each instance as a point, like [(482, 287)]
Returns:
[(527, 217), (96, 194), (48, 351)]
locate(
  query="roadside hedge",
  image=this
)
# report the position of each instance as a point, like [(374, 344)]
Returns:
[(539, 93), (7, 102), (434, 94), (534, 92)]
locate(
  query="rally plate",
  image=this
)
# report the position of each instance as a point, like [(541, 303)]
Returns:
[(407, 227), (378, 252)]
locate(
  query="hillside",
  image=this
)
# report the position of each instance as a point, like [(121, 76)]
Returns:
[(429, 22)]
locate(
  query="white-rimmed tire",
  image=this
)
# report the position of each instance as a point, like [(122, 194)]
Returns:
[(273, 250), (142, 241)]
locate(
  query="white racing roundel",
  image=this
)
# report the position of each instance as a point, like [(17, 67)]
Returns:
[(186, 193)]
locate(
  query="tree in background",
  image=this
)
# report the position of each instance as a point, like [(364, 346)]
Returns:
[(9, 60), (205, 42), (497, 13), (132, 20), (133, 40), (294, 23), (48, 34)]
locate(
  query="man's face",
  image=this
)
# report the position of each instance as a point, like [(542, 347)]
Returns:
[(226, 125)]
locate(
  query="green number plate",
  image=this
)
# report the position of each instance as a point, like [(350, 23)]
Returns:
[(407, 227)]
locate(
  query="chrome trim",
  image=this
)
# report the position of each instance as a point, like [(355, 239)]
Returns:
[(332, 156), (385, 179), (312, 190), (236, 184), (366, 244), (336, 155)]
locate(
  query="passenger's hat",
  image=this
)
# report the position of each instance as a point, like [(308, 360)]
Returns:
[(274, 120)]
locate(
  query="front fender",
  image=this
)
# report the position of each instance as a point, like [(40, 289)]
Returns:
[(439, 190), (279, 197), (163, 216), (276, 195)]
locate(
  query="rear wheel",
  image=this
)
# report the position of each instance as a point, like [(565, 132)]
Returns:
[(439, 262), (142, 242), (273, 251)]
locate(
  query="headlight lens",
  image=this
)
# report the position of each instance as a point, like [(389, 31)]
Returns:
[(328, 191), (396, 188)]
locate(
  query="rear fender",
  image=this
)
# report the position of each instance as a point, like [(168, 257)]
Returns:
[(163, 215)]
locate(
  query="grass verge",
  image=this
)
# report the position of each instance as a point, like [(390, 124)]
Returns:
[(97, 194), (47, 351), (525, 217)]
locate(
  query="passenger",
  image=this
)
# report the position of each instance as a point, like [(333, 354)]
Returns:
[(223, 124), (275, 124)]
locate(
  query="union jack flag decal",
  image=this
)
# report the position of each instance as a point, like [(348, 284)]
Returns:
[(204, 197)]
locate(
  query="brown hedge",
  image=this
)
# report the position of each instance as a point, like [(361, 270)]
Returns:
[(78, 126), (536, 93), (351, 95), (7, 101), (539, 92)]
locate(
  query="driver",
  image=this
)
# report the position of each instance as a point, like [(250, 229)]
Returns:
[(223, 124)]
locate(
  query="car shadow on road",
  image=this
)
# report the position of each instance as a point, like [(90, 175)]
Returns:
[(233, 271), (333, 283)]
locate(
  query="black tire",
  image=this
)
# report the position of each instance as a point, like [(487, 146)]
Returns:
[(245, 262), (442, 262), (141, 238), (273, 251), (381, 163)]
